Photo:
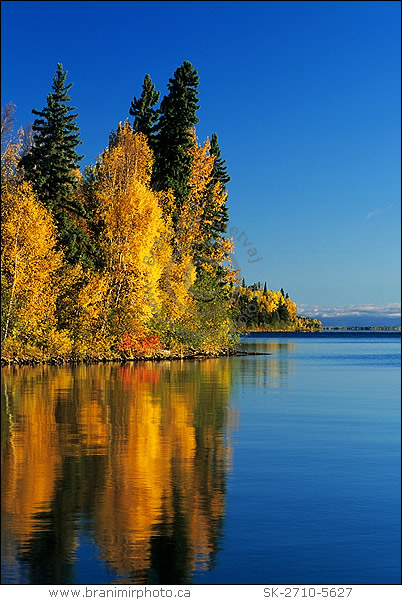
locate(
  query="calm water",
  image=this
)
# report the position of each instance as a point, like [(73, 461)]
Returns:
[(280, 469)]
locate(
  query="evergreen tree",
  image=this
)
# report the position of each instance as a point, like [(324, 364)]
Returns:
[(52, 167), (172, 167), (143, 111), (219, 174)]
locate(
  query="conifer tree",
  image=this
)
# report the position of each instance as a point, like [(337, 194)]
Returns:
[(52, 166), (219, 174), (178, 116), (143, 111)]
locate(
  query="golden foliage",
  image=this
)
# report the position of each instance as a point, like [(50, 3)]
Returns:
[(134, 225), (292, 308), (202, 204), (129, 159), (29, 263), (272, 301)]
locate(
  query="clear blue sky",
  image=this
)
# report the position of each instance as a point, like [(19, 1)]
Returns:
[(304, 97)]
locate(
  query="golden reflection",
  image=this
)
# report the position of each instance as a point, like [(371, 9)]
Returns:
[(141, 450), (29, 466)]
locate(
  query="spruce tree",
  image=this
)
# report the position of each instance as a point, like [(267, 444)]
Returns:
[(52, 167), (172, 166), (143, 111), (219, 174)]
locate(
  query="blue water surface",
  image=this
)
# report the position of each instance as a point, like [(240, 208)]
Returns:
[(277, 467), (314, 495)]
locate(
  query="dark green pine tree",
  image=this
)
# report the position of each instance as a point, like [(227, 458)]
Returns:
[(51, 166), (219, 174), (142, 109), (178, 109)]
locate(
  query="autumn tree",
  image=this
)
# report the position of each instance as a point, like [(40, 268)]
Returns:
[(201, 210), (133, 224), (52, 167), (197, 275), (202, 214), (144, 112), (261, 307), (30, 266), (178, 109)]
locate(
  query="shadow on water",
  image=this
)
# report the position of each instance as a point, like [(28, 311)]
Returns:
[(135, 457)]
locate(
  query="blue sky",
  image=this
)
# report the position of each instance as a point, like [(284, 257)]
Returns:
[(304, 97)]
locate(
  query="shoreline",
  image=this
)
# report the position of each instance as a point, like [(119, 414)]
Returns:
[(36, 362)]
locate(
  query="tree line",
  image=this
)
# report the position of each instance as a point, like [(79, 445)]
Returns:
[(129, 256)]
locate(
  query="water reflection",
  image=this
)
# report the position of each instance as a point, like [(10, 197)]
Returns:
[(266, 371), (135, 456)]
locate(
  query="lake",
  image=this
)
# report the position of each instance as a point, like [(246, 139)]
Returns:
[(260, 469)]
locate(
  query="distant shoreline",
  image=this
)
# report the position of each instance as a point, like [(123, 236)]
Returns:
[(359, 328), (340, 328)]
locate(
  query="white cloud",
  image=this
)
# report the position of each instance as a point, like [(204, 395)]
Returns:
[(392, 309), (378, 211)]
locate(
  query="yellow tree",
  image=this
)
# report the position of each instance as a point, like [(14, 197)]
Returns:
[(201, 262), (292, 308), (272, 301), (29, 265), (133, 229), (29, 261)]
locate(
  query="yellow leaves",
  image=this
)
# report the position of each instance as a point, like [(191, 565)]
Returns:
[(197, 210), (57, 343), (90, 308), (189, 227), (292, 308), (140, 256), (200, 210), (177, 280), (202, 165), (134, 224), (131, 159), (269, 301), (272, 302), (29, 262)]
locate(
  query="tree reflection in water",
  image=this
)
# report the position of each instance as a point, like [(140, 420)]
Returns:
[(135, 456)]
